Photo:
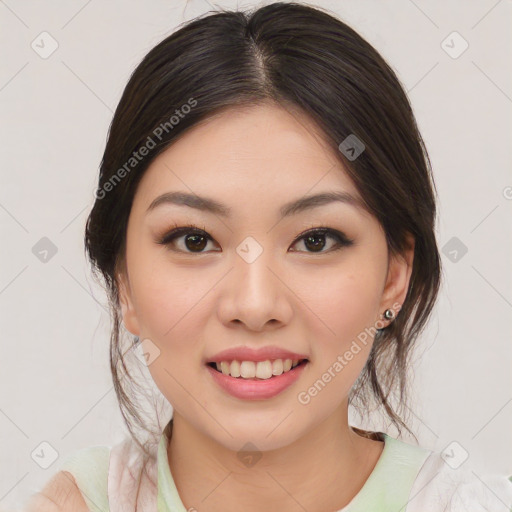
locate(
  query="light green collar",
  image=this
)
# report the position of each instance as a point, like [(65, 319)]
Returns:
[(387, 487)]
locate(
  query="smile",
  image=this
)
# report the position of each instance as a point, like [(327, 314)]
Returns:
[(261, 370), (248, 385)]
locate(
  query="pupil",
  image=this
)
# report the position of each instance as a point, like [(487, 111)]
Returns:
[(316, 245), (195, 238)]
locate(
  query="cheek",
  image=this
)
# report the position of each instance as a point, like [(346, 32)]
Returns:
[(353, 305), (167, 300), (347, 305), (166, 297), (345, 309), (171, 308)]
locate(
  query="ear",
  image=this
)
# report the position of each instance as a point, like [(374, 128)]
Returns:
[(397, 280), (129, 315)]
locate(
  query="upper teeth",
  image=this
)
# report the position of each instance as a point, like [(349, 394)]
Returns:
[(260, 369)]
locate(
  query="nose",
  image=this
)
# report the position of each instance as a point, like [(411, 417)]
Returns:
[(255, 294)]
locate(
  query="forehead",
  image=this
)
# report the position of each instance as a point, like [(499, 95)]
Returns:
[(241, 154)]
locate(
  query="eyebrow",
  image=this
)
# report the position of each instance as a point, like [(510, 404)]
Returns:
[(295, 207)]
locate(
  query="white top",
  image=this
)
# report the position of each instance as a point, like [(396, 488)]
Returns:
[(406, 478)]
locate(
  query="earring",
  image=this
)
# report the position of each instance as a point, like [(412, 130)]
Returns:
[(389, 314)]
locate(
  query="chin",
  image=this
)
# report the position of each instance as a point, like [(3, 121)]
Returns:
[(265, 434)]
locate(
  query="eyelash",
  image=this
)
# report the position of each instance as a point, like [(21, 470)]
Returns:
[(341, 239)]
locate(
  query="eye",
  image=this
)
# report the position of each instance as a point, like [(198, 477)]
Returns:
[(315, 239), (196, 239)]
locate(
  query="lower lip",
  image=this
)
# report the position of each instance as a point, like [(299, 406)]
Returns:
[(253, 389)]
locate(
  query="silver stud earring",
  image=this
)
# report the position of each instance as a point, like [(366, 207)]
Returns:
[(389, 314)]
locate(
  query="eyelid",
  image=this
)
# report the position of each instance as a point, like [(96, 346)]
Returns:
[(342, 240), (324, 230), (180, 230)]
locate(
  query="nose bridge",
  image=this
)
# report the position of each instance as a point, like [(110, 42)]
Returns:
[(252, 274), (254, 295)]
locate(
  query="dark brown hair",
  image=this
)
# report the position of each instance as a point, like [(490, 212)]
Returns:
[(299, 57)]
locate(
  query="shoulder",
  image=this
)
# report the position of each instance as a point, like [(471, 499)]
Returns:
[(439, 486), (80, 484), (87, 478), (59, 494)]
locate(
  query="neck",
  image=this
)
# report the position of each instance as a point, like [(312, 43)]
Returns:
[(323, 470)]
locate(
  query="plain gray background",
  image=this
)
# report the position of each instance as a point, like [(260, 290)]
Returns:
[(55, 384)]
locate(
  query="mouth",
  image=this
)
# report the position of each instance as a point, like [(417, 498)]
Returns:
[(257, 371)]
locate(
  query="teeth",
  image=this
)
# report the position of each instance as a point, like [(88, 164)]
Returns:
[(261, 369), (224, 367), (247, 369), (277, 367), (234, 369)]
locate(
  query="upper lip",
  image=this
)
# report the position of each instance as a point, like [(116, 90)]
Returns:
[(253, 354)]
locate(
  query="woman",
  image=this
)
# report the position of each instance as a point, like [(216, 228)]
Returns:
[(264, 223)]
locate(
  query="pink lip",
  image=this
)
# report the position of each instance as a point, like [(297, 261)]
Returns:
[(251, 354), (256, 389)]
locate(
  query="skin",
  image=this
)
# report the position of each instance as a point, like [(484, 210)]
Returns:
[(192, 305)]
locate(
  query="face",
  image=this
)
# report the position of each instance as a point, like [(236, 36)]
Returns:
[(254, 273)]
